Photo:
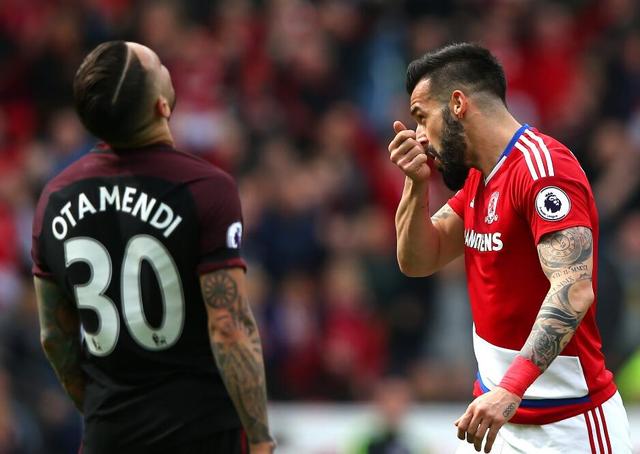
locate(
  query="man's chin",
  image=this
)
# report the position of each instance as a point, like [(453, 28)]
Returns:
[(454, 180)]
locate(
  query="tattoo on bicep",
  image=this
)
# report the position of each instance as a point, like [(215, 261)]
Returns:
[(566, 248), (219, 290)]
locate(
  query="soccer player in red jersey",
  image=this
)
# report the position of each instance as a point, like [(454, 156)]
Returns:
[(525, 219), (139, 279)]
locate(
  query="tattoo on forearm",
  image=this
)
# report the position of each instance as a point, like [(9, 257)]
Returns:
[(238, 353), (566, 259), (511, 408), (60, 334)]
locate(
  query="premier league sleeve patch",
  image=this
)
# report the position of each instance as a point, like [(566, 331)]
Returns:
[(552, 203), (234, 235)]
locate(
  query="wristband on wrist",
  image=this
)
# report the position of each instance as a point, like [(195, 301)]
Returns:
[(520, 375)]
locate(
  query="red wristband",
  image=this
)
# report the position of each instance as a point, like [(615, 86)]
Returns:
[(520, 375)]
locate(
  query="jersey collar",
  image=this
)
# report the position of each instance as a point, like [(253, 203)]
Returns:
[(507, 151)]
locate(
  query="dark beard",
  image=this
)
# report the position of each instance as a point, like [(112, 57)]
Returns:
[(454, 170)]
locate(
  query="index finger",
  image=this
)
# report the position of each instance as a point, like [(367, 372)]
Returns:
[(463, 424), (401, 137)]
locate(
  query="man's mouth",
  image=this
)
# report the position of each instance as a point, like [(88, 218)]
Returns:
[(433, 154)]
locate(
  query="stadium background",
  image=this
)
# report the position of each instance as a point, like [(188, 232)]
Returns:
[(296, 99)]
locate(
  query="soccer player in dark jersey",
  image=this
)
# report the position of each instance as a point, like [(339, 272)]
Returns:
[(138, 275)]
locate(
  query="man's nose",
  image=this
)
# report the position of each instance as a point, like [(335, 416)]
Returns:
[(421, 136), (422, 139)]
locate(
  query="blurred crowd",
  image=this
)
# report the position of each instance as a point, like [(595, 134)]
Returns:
[(296, 99)]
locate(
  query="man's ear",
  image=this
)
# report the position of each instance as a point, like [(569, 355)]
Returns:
[(458, 104), (162, 107)]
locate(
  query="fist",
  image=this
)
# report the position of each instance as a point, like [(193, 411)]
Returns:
[(407, 153)]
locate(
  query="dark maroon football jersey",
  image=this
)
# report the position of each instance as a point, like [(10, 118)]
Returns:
[(126, 234)]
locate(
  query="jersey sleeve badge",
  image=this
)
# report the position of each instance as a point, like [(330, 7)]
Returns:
[(234, 235), (552, 203)]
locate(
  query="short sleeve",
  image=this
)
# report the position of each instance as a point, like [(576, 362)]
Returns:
[(558, 202), (458, 202), (40, 267), (221, 225)]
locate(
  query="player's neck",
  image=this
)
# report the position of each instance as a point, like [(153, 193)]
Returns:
[(491, 139), (155, 134)]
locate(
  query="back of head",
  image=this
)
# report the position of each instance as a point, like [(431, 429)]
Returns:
[(111, 92), (462, 66)]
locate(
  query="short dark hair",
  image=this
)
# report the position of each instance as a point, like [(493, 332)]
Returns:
[(456, 66), (110, 90)]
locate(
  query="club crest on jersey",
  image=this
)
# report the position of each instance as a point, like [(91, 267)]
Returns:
[(234, 235), (491, 209), (552, 203)]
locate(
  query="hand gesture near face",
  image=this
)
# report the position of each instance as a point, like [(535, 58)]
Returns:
[(409, 154)]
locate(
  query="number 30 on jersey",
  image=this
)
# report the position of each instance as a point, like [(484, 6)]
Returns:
[(91, 294)]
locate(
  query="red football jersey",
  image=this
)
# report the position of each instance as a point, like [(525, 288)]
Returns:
[(537, 187)]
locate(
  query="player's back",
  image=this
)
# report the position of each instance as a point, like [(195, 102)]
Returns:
[(126, 234)]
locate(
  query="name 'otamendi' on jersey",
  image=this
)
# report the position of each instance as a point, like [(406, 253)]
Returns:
[(126, 199)]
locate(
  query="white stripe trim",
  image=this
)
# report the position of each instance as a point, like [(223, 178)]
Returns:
[(527, 158), (544, 149), (124, 73), (495, 169), (603, 436), (594, 433), (536, 154)]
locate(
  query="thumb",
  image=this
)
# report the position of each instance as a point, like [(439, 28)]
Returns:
[(398, 126)]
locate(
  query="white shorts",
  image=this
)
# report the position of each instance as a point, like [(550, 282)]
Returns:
[(603, 430)]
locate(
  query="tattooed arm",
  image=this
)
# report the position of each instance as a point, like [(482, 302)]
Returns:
[(424, 247), (567, 261), (60, 337), (566, 257), (237, 351)]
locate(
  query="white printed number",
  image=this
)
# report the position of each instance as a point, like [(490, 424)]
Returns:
[(91, 295)]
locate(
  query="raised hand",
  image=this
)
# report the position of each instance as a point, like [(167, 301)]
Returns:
[(407, 153)]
